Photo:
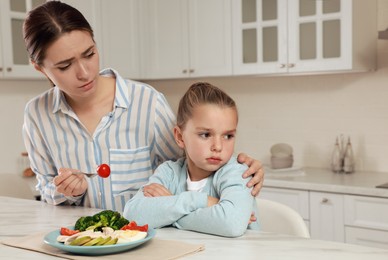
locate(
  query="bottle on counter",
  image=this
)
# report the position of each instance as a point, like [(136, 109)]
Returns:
[(336, 160), (348, 158)]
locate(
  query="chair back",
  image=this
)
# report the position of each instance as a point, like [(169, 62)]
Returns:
[(279, 218)]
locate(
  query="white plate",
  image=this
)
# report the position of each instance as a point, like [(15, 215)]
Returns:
[(51, 239)]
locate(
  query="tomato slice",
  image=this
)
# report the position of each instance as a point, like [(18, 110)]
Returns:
[(143, 228), (133, 226), (103, 170), (68, 232)]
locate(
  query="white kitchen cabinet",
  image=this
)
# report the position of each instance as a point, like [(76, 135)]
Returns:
[(121, 42), (366, 237), (352, 219), (14, 59), (303, 36), (326, 216), (295, 199), (185, 38), (91, 10), (366, 220)]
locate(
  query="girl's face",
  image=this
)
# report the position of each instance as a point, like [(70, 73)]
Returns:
[(72, 64), (208, 139)]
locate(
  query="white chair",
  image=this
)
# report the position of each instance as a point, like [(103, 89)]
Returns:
[(279, 218)]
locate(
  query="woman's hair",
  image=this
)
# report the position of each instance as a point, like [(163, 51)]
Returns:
[(46, 23), (199, 94)]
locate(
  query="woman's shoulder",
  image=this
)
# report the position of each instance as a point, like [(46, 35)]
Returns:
[(130, 83), (45, 98)]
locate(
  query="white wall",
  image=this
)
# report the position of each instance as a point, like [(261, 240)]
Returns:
[(307, 112), (13, 97)]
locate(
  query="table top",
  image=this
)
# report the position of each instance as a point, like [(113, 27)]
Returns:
[(315, 179), (21, 217)]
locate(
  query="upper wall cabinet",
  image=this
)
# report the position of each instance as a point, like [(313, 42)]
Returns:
[(14, 59), (91, 9), (120, 44), (186, 38), (303, 36)]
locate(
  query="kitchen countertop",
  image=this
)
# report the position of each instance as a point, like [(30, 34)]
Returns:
[(315, 179), (21, 217)]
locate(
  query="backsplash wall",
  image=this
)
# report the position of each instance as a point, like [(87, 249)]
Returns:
[(308, 112)]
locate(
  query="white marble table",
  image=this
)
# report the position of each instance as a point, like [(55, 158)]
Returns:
[(20, 217)]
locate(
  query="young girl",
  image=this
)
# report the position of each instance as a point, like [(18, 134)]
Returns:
[(204, 191)]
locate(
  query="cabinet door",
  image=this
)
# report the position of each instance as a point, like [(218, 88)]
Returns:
[(186, 38), (367, 237), (366, 212), (303, 36), (259, 36), (326, 216), (295, 199), (165, 38), (120, 42), (210, 38), (320, 35), (91, 10), (15, 59)]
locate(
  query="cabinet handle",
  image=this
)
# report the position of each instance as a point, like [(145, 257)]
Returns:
[(325, 200), (282, 66), (1, 69), (184, 71), (291, 65), (191, 71), (9, 69)]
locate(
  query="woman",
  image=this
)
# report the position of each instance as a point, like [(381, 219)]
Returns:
[(91, 117)]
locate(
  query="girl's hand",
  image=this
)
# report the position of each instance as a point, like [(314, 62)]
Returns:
[(211, 201), (155, 190), (70, 184), (255, 169), (253, 218)]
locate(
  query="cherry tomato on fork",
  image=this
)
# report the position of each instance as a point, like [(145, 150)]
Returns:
[(103, 170)]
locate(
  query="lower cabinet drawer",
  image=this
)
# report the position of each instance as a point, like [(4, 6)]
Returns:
[(366, 237), (366, 212)]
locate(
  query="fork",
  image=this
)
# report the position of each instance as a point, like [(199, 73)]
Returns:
[(90, 175)]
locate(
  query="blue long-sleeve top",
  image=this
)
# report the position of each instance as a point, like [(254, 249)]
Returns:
[(188, 209)]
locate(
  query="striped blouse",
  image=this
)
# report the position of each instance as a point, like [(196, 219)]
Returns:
[(133, 139)]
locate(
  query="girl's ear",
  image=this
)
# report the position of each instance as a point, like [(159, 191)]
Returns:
[(178, 137)]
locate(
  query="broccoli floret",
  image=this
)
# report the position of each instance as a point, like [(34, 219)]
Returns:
[(121, 222), (105, 218), (83, 223)]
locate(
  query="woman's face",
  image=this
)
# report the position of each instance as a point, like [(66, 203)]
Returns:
[(72, 64)]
